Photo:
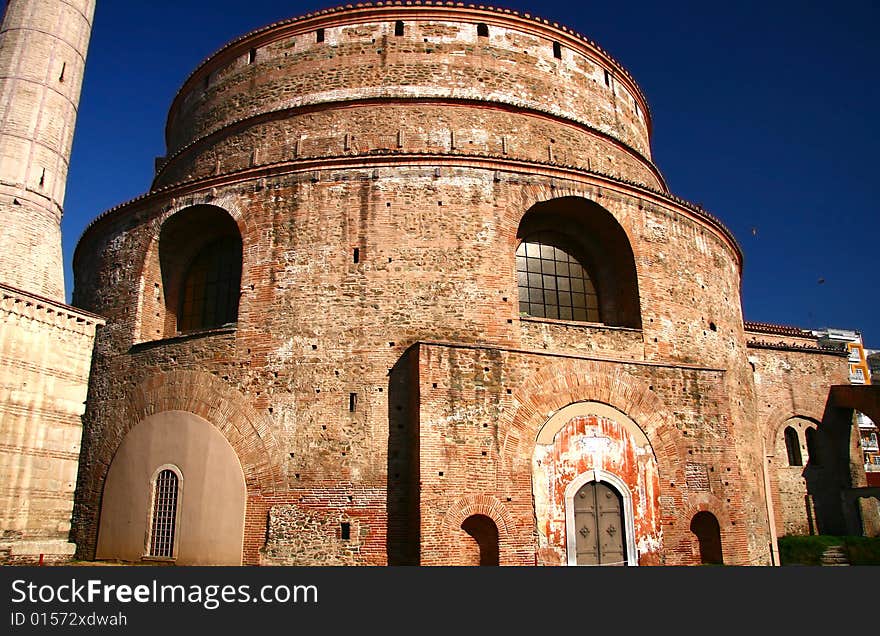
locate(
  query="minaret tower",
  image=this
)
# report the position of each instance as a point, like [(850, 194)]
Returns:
[(45, 345), (43, 47)]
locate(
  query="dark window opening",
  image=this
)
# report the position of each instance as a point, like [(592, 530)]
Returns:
[(356, 255), (485, 533), (211, 287), (63, 68), (575, 262), (793, 447), (352, 402), (705, 526), (812, 447), (607, 78), (319, 35), (482, 30), (345, 530), (398, 27), (252, 56), (557, 50), (553, 281)]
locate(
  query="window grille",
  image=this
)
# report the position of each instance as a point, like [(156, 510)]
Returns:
[(552, 281), (164, 520), (212, 287)]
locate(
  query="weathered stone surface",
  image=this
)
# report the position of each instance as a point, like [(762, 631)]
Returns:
[(380, 373)]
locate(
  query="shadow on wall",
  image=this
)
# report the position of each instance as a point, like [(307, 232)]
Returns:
[(836, 470), (403, 461)]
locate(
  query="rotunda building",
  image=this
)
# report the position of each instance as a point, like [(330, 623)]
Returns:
[(408, 288)]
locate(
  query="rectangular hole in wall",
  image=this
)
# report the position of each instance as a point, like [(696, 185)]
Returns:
[(319, 35), (398, 27), (352, 402), (345, 530), (607, 78), (356, 255), (482, 30), (252, 55), (557, 50)]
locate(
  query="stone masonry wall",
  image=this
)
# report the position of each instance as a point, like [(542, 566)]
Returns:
[(45, 357)]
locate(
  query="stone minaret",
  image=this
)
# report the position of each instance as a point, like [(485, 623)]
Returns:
[(45, 345), (43, 47)]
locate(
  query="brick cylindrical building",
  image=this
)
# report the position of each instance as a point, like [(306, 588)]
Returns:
[(408, 288)]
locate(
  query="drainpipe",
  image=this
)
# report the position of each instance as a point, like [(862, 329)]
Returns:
[(771, 515)]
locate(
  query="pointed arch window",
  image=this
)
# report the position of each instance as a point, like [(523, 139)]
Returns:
[(553, 280)]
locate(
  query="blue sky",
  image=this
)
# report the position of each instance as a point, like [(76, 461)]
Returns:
[(764, 113)]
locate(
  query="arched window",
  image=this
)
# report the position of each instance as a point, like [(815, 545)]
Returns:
[(574, 262), (553, 281), (705, 526), (163, 518), (812, 447), (485, 533), (210, 290), (793, 447)]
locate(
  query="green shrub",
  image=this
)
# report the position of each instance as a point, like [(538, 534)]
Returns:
[(807, 550)]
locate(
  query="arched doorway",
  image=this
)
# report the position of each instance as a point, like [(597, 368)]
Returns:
[(599, 525), (705, 526), (484, 533)]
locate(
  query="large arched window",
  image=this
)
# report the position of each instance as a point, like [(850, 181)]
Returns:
[(210, 290), (574, 262), (553, 281), (163, 514), (793, 447), (200, 255)]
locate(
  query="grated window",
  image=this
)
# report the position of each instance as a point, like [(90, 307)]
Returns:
[(211, 287), (164, 515), (553, 282)]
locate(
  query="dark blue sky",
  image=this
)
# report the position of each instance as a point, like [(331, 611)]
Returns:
[(764, 113)]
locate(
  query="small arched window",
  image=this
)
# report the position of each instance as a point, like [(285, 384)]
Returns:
[(482, 30), (793, 447), (211, 287), (708, 531), (163, 517), (812, 446), (553, 281), (485, 533)]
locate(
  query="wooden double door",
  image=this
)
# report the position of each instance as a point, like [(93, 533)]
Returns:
[(600, 536)]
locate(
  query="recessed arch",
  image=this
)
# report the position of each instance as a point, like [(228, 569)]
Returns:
[(143, 511), (200, 258), (583, 264), (483, 531), (598, 476), (708, 532)]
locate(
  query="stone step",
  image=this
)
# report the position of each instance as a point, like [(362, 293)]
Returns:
[(834, 555)]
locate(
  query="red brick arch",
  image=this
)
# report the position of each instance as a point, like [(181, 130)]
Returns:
[(687, 552), (569, 381), (248, 431), (778, 420), (487, 505)]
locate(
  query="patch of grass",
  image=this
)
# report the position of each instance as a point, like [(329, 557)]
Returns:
[(807, 550)]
